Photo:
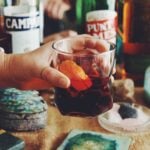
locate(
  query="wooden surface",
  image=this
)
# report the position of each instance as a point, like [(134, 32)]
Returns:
[(58, 127)]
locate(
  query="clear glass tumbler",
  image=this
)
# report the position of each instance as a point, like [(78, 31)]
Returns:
[(89, 71)]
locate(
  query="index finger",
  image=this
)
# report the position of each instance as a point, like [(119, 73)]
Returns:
[(84, 42)]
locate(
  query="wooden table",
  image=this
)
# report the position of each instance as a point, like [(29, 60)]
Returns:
[(58, 127)]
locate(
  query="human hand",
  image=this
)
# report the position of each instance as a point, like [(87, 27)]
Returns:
[(30, 70), (56, 8), (33, 70)]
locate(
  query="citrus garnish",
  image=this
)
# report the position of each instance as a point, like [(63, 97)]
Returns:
[(79, 79)]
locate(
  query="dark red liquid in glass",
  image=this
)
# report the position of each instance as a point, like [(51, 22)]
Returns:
[(91, 102)]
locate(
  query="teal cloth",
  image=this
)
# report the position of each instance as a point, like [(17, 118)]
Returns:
[(82, 139)]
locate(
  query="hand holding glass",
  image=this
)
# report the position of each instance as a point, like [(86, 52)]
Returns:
[(88, 63)]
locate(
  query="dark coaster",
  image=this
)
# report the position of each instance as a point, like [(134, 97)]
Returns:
[(10, 142)]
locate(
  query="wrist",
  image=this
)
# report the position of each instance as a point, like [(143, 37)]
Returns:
[(11, 70), (19, 68)]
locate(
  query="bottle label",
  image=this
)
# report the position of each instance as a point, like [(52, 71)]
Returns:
[(102, 24), (140, 26), (23, 25)]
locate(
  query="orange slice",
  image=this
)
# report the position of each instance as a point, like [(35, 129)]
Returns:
[(79, 80)]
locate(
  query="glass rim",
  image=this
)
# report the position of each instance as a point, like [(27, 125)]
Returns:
[(111, 49)]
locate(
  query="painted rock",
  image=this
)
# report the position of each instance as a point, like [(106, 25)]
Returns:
[(22, 110)]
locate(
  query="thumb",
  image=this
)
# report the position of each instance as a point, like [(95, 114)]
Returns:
[(55, 77)]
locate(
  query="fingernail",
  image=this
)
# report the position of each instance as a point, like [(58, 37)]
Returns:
[(63, 82)]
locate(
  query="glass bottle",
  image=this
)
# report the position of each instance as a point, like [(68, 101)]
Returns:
[(22, 21), (136, 38), (84, 6), (40, 6), (120, 71), (5, 38)]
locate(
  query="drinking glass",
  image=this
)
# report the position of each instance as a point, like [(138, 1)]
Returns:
[(89, 71)]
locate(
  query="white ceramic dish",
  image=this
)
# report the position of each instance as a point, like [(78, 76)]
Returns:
[(112, 121)]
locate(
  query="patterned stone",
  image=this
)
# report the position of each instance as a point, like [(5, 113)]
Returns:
[(17, 101), (23, 122), (22, 110)]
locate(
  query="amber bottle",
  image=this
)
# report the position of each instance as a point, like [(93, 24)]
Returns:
[(136, 38)]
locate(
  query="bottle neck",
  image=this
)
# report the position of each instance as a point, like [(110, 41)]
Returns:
[(1, 19), (82, 7)]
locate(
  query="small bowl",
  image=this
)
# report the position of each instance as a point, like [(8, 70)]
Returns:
[(112, 121)]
